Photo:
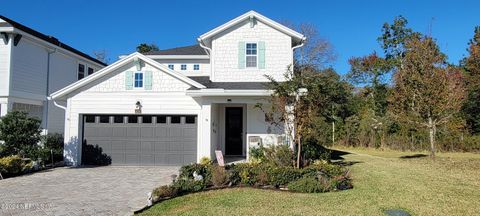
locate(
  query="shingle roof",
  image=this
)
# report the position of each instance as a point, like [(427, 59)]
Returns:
[(49, 39), (205, 80), (186, 50)]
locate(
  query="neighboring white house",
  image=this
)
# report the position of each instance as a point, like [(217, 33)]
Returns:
[(178, 105), (34, 65)]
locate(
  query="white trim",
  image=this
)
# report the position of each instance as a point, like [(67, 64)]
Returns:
[(256, 55), (177, 56), (223, 92), (249, 15), (72, 87)]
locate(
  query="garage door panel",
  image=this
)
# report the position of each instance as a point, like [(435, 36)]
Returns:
[(119, 132), (144, 143)]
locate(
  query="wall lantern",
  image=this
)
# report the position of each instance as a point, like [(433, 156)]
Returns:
[(138, 107)]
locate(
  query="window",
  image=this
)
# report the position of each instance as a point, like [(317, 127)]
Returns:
[(147, 119), (118, 119), (104, 119), (190, 119), (132, 119), (171, 66), (138, 80), (183, 67), (81, 71), (196, 67), (90, 71), (175, 120), (251, 55), (90, 119), (161, 119)]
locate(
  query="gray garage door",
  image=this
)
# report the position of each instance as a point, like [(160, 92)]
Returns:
[(143, 139)]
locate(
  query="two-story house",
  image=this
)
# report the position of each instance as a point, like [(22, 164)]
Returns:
[(34, 65), (178, 105)]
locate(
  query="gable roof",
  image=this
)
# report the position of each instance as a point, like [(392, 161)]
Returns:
[(49, 39), (185, 50), (130, 58), (253, 14)]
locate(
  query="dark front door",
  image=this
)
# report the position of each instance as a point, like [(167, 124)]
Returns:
[(233, 130)]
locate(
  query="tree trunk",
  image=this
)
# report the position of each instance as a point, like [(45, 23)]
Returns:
[(299, 153), (333, 132), (433, 131)]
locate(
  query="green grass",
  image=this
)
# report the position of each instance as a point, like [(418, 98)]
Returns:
[(450, 185)]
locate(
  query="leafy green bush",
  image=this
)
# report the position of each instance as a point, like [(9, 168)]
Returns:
[(164, 191), (257, 153), (219, 176), (11, 165), (187, 171), (20, 134), (281, 176), (310, 185), (279, 155), (184, 186)]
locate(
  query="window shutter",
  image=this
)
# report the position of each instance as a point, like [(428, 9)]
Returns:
[(241, 55), (261, 55), (128, 80), (148, 80)]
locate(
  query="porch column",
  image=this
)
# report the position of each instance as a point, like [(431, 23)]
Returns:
[(205, 122), (5, 108)]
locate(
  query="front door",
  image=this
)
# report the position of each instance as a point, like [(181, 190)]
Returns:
[(233, 130)]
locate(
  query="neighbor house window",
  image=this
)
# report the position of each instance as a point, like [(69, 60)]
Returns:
[(171, 67), (81, 71), (138, 80), (251, 55), (90, 71), (183, 67), (196, 67)]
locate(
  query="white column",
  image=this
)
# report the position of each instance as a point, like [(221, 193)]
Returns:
[(5, 108), (205, 124)]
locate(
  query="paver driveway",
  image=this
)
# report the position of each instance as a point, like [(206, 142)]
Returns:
[(82, 191)]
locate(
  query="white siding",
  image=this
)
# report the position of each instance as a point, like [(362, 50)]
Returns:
[(278, 53), (29, 68), (4, 67), (203, 63)]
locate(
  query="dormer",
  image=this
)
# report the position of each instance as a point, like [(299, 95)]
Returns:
[(249, 47)]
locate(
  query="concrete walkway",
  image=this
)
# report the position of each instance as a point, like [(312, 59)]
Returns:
[(82, 191)]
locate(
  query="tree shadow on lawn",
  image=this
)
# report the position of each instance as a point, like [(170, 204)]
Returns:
[(413, 156), (337, 159)]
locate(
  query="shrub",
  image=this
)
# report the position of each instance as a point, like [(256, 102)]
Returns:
[(184, 186), (219, 176), (11, 165), (52, 143), (279, 155), (257, 153), (205, 161), (20, 134), (164, 191), (281, 176), (186, 172), (233, 172), (342, 182), (310, 185)]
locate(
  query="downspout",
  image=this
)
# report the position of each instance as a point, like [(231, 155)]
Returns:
[(47, 89), (209, 52), (302, 42), (56, 104)]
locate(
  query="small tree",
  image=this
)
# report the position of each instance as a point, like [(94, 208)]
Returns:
[(20, 134), (145, 48), (426, 92)]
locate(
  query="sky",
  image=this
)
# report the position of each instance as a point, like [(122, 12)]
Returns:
[(352, 27)]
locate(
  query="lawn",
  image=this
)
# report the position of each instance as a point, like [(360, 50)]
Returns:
[(387, 179)]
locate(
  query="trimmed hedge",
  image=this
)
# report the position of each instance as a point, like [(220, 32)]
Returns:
[(13, 165)]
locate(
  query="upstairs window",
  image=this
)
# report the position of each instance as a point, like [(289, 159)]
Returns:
[(81, 71), (171, 66), (90, 71), (196, 67), (251, 55), (183, 67), (138, 82)]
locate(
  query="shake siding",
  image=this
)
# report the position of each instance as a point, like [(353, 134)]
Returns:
[(278, 53)]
